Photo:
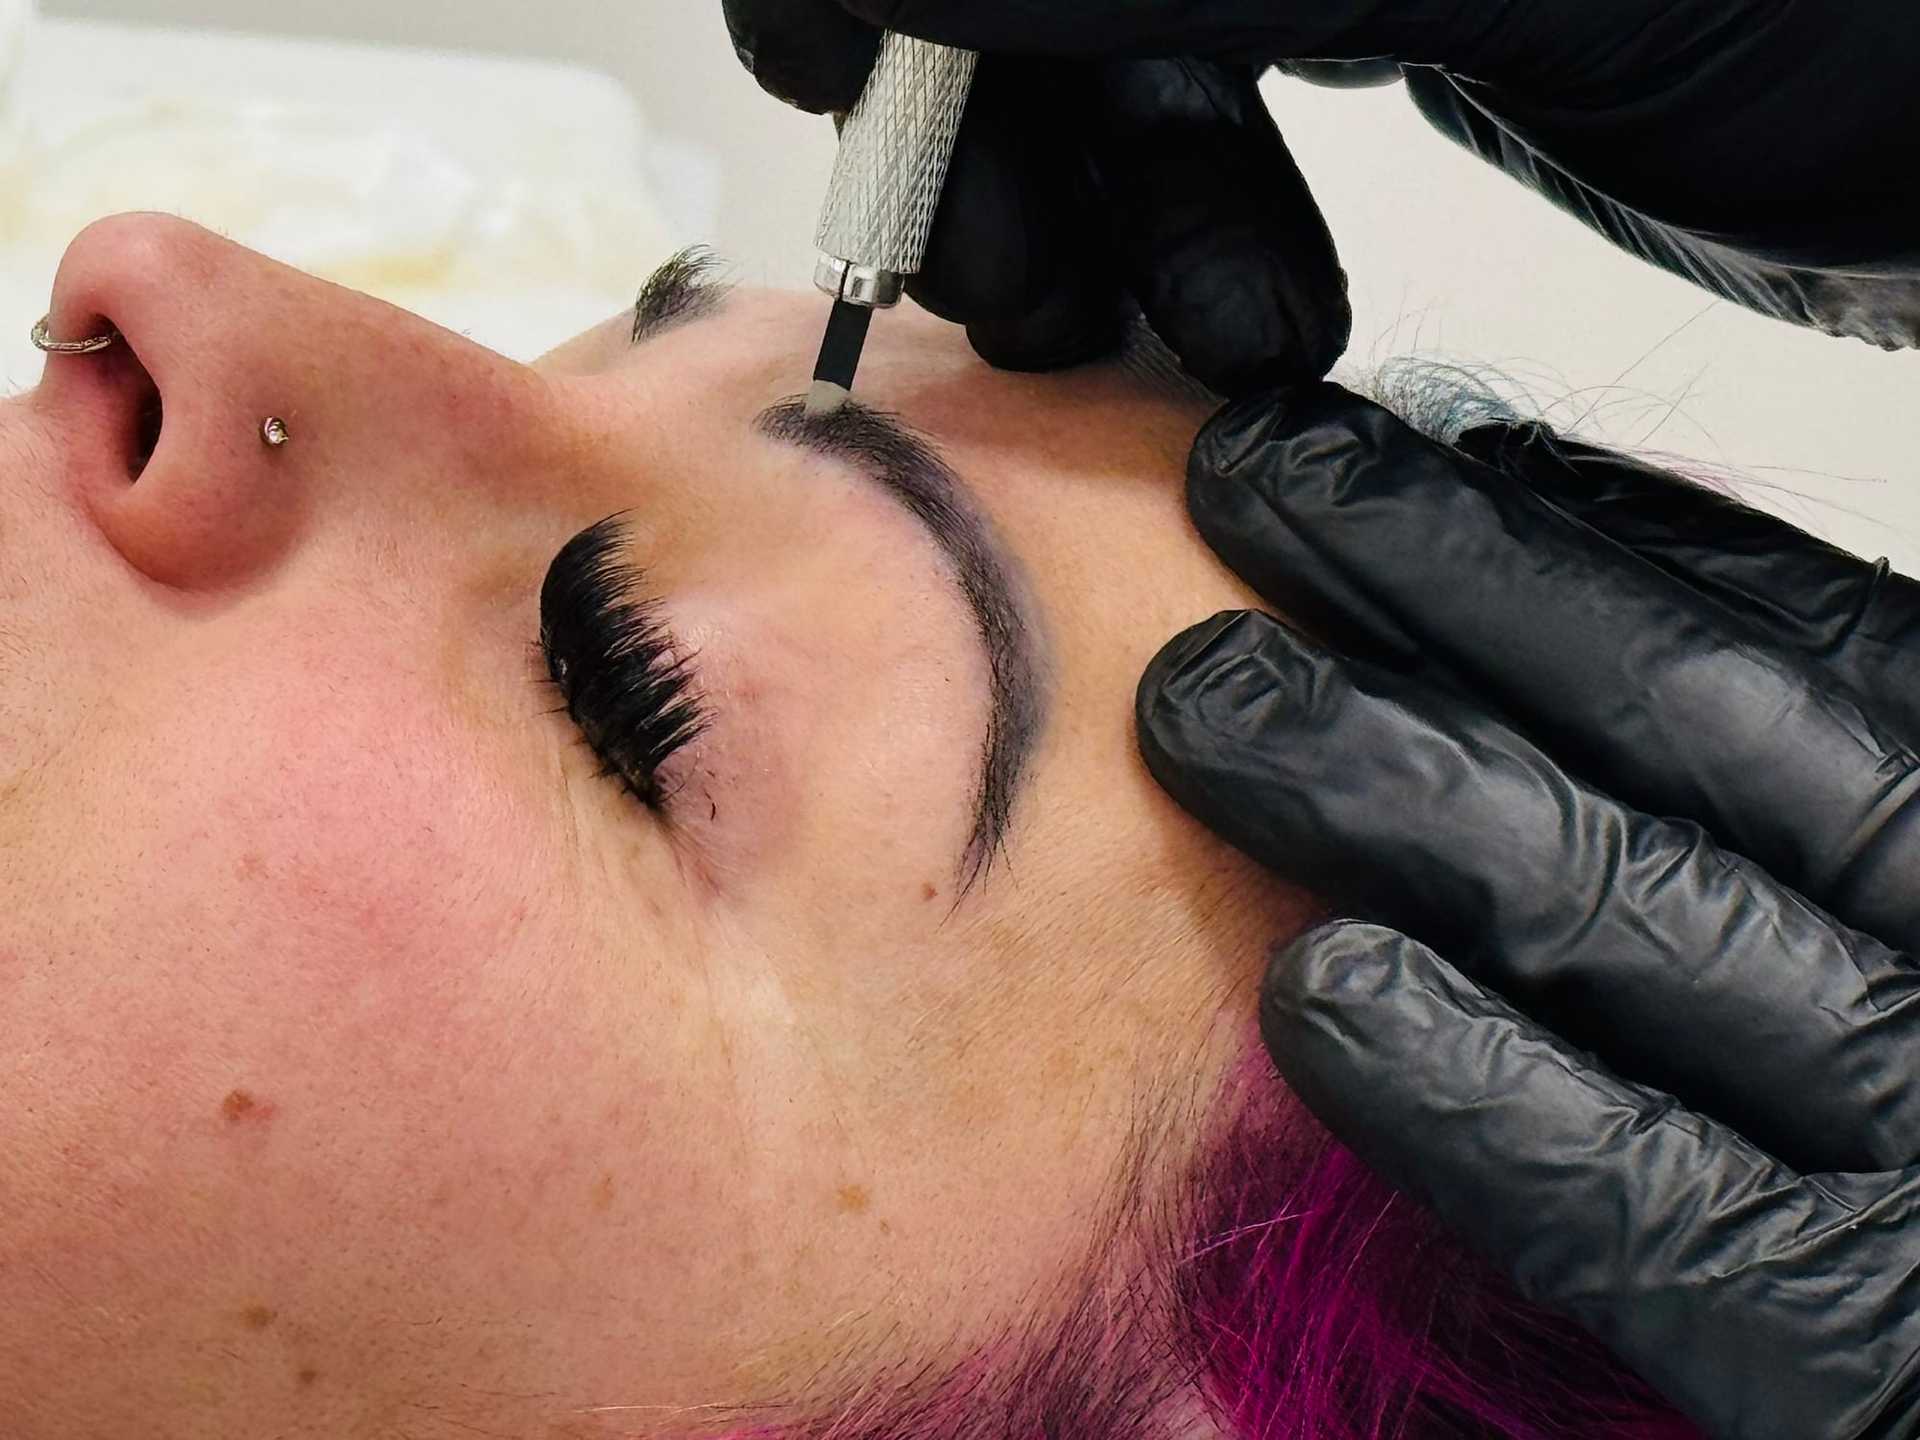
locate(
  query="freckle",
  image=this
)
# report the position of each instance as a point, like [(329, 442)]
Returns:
[(929, 891), (603, 1192), (307, 1375), (257, 1317), (886, 1227), (852, 1199)]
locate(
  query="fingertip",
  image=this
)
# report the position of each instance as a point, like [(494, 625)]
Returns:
[(1173, 677), (1260, 466), (1330, 959), (1201, 676), (1246, 311), (1213, 712), (1299, 454), (1240, 430), (1318, 996), (1069, 327), (1242, 281), (1248, 434), (812, 54), (1017, 253), (1364, 74)]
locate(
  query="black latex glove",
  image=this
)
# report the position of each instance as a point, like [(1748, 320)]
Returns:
[(1765, 149), (1082, 194), (1638, 763)]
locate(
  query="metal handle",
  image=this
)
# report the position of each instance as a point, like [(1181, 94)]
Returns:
[(894, 151)]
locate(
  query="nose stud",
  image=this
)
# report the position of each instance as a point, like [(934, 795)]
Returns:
[(273, 430), (43, 340)]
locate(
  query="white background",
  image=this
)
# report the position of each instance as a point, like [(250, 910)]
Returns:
[(1446, 256)]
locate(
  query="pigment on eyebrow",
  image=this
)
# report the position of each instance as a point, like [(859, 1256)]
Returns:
[(908, 468)]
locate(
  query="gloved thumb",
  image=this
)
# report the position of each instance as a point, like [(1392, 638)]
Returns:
[(1345, 74), (1217, 235), (810, 53)]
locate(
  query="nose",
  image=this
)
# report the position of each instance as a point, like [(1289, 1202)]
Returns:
[(389, 418)]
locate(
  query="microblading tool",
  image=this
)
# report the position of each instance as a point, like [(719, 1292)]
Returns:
[(894, 151)]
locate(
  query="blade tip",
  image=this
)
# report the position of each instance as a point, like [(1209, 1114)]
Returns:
[(825, 397)]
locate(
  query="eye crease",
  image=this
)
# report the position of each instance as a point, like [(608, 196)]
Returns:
[(628, 688)]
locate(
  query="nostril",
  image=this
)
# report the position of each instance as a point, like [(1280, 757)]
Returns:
[(146, 428), (130, 404)]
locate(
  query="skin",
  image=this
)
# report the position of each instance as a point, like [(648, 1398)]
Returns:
[(367, 1065)]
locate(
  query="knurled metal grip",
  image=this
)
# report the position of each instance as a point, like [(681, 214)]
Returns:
[(894, 151)]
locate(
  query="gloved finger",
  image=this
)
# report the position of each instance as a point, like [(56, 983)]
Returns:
[(809, 53), (1365, 74), (1854, 619), (1763, 1304), (1632, 936), (1218, 236), (1239, 31), (1334, 509), (1020, 252)]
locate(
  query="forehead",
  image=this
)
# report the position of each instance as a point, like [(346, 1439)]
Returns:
[(771, 336)]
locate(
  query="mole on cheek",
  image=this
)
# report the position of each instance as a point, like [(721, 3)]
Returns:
[(603, 1192), (852, 1199), (240, 1105), (929, 891), (307, 1375), (257, 1317)]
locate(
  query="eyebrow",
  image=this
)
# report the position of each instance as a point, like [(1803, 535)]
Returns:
[(686, 288), (909, 471)]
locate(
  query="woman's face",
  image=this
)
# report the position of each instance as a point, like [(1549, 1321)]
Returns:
[(367, 1059)]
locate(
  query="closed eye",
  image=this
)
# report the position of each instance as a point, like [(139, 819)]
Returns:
[(627, 685)]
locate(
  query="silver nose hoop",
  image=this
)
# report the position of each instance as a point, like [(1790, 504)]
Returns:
[(273, 430)]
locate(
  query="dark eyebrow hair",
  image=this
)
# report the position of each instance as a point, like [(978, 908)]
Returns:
[(686, 288), (909, 470)]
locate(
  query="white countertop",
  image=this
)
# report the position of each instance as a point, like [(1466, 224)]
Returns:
[(515, 201)]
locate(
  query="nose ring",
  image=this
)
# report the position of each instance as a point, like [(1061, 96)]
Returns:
[(274, 431), (43, 340)]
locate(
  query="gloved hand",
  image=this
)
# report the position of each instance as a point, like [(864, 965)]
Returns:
[(1629, 770), (1082, 194), (1759, 148)]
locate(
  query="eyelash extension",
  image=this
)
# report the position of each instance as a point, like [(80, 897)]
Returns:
[(681, 288), (628, 688)]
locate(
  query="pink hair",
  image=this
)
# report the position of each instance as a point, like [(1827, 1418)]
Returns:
[(1283, 1289), (1321, 1305)]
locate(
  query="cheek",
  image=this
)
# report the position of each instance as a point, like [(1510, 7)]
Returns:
[(286, 977), (252, 858)]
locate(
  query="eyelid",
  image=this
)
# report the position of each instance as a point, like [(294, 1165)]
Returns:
[(906, 467)]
